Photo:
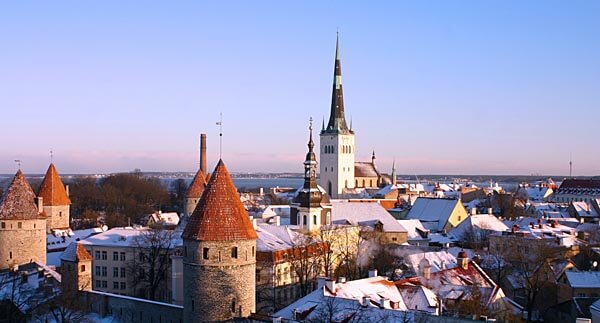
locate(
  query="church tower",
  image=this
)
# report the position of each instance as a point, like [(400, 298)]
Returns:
[(337, 141), (22, 225), (306, 210), (219, 257), (57, 204)]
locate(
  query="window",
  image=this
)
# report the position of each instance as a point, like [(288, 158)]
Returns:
[(82, 268), (123, 286), (234, 252), (123, 272), (97, 255), (115, 285), (104, 271), (115, 256), (314, 219), (233, 305), (459, 218), (104, 284), (122, 256), (98, 272), (98, 284), (252, 251), (3, 225), (20, 225), (104, 255), (115, 271), (305, 220), (205, 253), (10, 255)]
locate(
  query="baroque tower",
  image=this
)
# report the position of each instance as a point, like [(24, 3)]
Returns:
[(337, 140), (219, 258), (307, 210), (22, 225), (57, 204)]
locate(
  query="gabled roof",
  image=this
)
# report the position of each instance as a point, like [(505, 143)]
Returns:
[(18, 202), (220, 214), (365, 169), (197, 186), (583, 279), (75, 252), (432, 210), (476, 222), (364, 214), (52, 189)]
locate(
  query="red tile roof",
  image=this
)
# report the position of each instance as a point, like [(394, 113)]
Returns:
[(197, 186), (220, 215), (18, 202), (52, 189), (76, 252)]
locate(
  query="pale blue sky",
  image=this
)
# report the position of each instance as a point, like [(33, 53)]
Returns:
[(464, 87)]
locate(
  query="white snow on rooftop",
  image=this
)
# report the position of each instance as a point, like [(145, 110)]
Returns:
[(364, 214), (583, 279)]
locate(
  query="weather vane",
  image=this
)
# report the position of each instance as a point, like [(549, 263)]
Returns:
[(220, 124), (51, 156), (18, 161)]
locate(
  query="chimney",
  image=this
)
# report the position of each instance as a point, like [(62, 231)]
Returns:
[(382, 301), (203, 153), (40, 203), (474, 211), (341, 280), (255, 223), (463, 259), (330, 284), (365, 301), (490, 210), (372, 273), (67, 189), (277, 220)]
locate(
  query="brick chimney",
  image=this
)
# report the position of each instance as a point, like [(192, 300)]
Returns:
[(203, 153)]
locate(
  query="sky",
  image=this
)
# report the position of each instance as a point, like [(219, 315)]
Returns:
[(441, 87)]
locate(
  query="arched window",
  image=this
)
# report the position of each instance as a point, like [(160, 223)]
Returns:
[(364, 183), (356, 183), (305, 222), (329, 188), (233, 305), (314, 219)]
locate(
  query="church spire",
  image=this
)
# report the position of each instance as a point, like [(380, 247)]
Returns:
[(310, 163), (337, 119)]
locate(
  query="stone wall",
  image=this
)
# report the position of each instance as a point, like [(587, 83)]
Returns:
[(221, 287), (58, 217), (132, 310), (22, 241)]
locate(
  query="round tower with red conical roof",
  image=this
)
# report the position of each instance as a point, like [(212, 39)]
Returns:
[(22, 225), (219, 260), (57, 204)]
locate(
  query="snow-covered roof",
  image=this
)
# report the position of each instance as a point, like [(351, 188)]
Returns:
[(364, 296), (475, 222), (122, 237), (584, 210), (439, 260), (419, 298), (58, 240), (276, 237), (363, 214), (26, 287), (437, 210), (168, 218), (583, 279), (413, 227)]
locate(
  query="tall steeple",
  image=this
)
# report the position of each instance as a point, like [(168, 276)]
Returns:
[(310, 195), (337, 119)]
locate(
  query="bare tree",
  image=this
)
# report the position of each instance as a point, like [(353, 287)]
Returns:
[(149, 267), (305, 260)]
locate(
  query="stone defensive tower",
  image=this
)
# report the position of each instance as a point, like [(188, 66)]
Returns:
[(57, 205), (22, 225), (196, 188), (219, 259), (76, 267), (337, 141)]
